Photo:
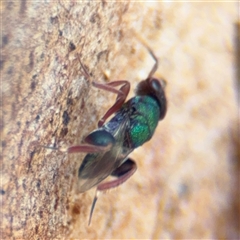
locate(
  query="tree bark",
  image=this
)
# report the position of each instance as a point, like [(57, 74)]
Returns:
[(47, 101)]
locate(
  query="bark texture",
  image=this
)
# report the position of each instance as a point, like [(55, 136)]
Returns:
[(186, 183), (46, 101)]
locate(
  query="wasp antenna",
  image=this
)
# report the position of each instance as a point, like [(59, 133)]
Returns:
[(155, 66), (92, 208)]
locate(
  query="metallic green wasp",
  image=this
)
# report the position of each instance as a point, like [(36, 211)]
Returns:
[(133, 123)]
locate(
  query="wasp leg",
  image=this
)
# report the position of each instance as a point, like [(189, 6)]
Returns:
[(87, 148), (122, 94), (123, 172), (97, 141)]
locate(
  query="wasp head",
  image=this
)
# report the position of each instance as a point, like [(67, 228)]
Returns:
[(155, 88)]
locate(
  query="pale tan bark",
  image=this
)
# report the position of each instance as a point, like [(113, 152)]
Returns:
[(46, 101)]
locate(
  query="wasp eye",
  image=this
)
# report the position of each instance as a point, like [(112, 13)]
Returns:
[(155, 85)]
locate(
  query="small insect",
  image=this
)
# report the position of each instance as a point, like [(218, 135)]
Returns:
[(133, 123)]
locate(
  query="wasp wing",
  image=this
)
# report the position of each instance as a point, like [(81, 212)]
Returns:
[(97, 166)]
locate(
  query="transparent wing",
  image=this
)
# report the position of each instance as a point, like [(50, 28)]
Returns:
[(96, 167)]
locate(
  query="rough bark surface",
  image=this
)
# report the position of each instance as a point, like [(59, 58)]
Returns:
[(46, 101), (185, 186)]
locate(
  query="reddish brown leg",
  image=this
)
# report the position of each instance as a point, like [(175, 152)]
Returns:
[(121, 96), (123, 173), (88, 148), (121, 93)]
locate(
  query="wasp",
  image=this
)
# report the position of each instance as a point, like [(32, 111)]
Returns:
[(132, 124)]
